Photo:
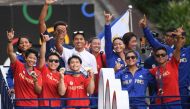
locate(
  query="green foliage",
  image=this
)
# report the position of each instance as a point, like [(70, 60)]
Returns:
[(166, 13)]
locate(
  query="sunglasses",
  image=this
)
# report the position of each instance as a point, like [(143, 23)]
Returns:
[(130, 57), (183, 34), (78, 32), (160, 55), (53, 60)]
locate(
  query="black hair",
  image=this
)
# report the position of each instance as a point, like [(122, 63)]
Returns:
[(31, 50), (117, 38), (169, 30), (131, 51), (160, 48), (74, 57), (59, 23), (53, 54), (127, 37), (93, 38), (18, 42)]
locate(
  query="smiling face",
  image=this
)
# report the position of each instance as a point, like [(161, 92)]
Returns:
[(131, 59), (79, 42), (75, 64), (95, 45), (118, 45), (31, 60), (53, 62), (161, 56), (132, 43), (24, 44)]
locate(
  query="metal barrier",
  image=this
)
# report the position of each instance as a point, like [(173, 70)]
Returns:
[(8, 103)]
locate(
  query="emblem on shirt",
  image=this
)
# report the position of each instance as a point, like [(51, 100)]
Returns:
[(126, 76), (153, 65), (118, 59), (141, 76), (71, 83), (183, 60)]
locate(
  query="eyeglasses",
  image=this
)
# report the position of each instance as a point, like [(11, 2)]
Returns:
[(53, 60), (130, 57), (160, 55), (78, 32), (183, 34)]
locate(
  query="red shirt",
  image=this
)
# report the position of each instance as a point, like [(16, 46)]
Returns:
[(170, 80), (76, 87), (101, 62), (50, 87), (24, 85)]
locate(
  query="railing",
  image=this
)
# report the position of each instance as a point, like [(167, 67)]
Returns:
[(8, 103)]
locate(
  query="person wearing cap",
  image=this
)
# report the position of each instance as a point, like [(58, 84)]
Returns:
[(27, 78), (60, 31), (184, 69), (89, 60), (75, 84)]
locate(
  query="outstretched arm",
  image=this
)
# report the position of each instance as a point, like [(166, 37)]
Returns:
[(180, 41), (43, 14), (45, 38), (10, 50), (152, 41), (108, 37)]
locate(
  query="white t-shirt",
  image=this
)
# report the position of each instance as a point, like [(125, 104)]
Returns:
[(88, 60)]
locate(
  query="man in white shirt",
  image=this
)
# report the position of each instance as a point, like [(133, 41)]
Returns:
[(88, 60)]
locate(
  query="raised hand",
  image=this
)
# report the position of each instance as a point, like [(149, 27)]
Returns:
[(108, 17), (49, 2), (117, 66), (45, 38), (10, 35), (143, 22)]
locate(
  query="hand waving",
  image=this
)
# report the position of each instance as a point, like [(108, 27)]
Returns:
[(49, 2), (143, 22)]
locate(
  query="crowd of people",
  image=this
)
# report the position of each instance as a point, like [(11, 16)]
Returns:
[(59, 70)]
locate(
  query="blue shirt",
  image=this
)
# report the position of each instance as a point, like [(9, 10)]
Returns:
[(50, 47), (184, 66), (136, 84), (111, 56)]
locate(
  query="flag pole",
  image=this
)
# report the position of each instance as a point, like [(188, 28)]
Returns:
[(130, 18)]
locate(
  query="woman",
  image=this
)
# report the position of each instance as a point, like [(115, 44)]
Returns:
[(27, 78), (115, 57), (50, 75), (23, 44), (135, 80)]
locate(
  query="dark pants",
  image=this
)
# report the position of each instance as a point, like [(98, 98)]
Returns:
[(185, 92), (169, 105)]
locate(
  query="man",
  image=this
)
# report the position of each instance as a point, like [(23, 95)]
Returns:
[(89, 61), (184, 71), (60, 31), (166, 75)]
